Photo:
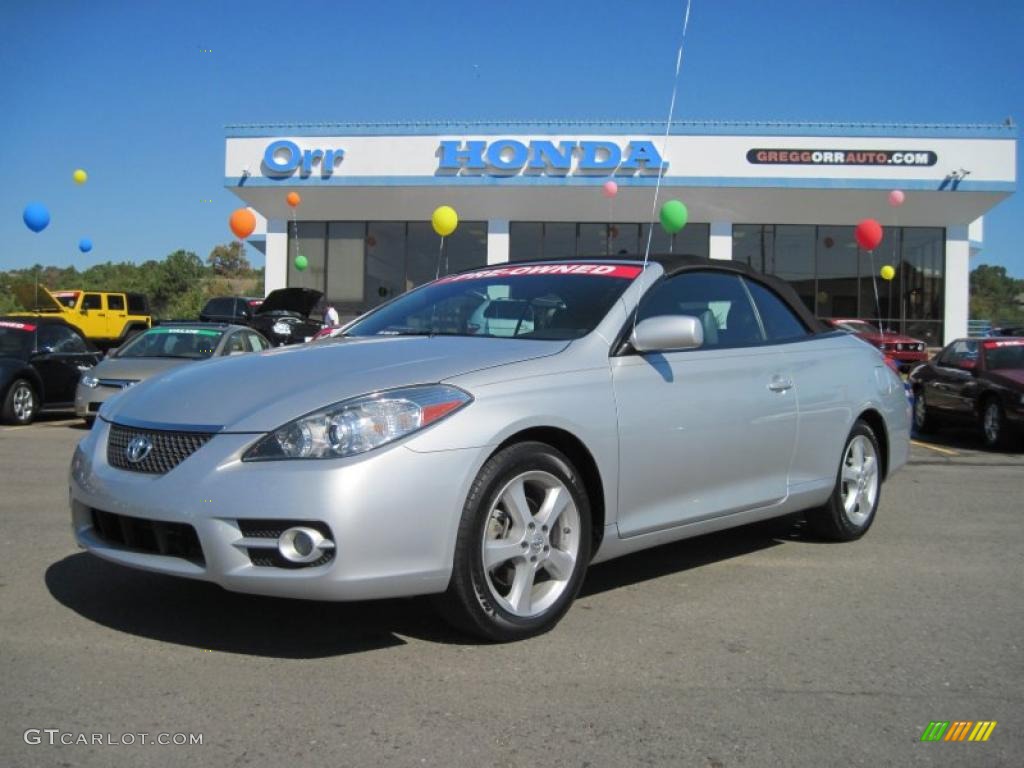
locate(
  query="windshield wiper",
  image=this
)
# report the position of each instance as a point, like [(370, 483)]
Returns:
[(416, 332)]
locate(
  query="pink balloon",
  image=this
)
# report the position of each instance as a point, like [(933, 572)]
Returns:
[(609, 189), (896, 198)]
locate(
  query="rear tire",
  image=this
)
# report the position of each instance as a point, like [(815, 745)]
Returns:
[(850, 511), (994, 428), (523, 545), (924, 421), (20, 403)]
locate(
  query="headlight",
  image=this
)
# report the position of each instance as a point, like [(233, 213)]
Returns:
[(281, 328), (90, 381), (359, 425)]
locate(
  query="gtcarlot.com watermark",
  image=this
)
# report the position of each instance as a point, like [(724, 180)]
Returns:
[(57, 737)]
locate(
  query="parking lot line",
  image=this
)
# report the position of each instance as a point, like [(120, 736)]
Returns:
[(936, 448)]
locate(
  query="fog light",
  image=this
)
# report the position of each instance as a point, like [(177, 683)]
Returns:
[(302, 545)]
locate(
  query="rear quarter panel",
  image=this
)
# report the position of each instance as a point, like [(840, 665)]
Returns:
[(839, 378)]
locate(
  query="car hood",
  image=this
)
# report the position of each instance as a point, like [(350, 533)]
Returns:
[(135, 368), (1012, 378), (36, 298), (260, 392), (301, 300)]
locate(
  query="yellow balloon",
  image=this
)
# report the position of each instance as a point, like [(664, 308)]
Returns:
[(444, 220), (888, 273), (80, 176)]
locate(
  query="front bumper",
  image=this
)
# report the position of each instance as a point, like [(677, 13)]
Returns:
[(393, 515), (89, 399)]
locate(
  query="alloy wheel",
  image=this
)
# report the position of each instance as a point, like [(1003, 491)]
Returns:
[(859, 479), (23, 404), (920, 411), (531, 543), (993, 424)]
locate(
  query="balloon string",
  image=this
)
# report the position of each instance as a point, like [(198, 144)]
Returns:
[(664, 143), (440, 251), (874, 283)]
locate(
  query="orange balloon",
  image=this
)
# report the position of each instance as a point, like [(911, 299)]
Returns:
[(293, 199), (242, 223)]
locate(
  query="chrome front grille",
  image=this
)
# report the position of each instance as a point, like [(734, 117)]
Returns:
[(168, 450), (117, 383)]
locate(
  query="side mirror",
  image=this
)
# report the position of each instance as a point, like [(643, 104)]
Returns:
[(666, 333)]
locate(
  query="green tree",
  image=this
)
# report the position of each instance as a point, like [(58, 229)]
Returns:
[(229, 260), (994, 295)]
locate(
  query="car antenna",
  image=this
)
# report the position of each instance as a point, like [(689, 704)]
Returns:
[(664, 146)]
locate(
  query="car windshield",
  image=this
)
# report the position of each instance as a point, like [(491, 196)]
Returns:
[(189, 343), (857, 326), (548, 301), (1002, 355), (16, 339)]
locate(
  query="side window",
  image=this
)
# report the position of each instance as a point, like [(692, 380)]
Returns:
[(236, 345), (780, 322), (716, 299), (92, 301), (115, 302), (959, 353), (256, 342), (70, 342), (60, 339)]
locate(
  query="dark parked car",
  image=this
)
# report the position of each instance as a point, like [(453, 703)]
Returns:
[(283, 317), (975, 382), (41, 360), (235, 310)]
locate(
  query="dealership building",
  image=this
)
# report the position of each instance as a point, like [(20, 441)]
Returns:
[(784, 198)]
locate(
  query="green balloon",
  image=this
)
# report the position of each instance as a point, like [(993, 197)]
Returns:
[(301, 262), (673, 216)]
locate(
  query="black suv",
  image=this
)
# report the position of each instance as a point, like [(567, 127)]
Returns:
[(238, 310)]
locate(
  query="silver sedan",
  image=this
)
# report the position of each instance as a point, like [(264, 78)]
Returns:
[(157, 350), (486, 437)]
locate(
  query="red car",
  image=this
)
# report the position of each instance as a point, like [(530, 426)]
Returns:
[(905, 351)]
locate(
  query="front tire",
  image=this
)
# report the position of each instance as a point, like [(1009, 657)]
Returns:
[(523, 545), (20, 404), (850, 511)]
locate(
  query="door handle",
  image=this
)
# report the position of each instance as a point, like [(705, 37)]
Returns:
[(780, 384)]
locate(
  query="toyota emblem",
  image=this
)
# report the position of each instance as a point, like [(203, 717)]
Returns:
[(138, 449)]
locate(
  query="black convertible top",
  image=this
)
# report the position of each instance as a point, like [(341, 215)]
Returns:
[(674, 264)]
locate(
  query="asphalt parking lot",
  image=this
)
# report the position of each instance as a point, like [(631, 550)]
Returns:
[(754, 647)]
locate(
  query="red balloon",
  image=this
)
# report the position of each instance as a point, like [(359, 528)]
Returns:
[(868, 234)]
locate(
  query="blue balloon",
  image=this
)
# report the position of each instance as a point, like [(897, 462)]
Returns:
[(36, 217), (85, 245)]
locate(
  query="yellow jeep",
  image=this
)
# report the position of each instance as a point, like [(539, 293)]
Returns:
[(106, 318)]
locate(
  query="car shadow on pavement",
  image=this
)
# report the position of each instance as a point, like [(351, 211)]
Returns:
[(204, 616), (690, 553)]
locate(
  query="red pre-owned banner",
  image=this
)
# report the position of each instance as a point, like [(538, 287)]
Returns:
[(586, 270)]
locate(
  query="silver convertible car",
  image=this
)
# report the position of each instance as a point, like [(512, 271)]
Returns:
[(487, 436)]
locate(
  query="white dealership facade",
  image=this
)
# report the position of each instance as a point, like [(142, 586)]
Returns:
[(782, 197)]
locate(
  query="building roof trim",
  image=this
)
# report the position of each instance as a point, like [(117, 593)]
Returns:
[(1005, 130)]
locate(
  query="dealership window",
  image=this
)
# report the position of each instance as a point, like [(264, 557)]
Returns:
[(309, 242), (562, 240), (835, 278), (359, 265), (837, 272)]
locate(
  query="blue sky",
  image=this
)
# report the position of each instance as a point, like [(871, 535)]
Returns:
[(127, 91)]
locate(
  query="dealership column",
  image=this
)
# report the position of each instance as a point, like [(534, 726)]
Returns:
[(276, 274), (957, 286), (497, 241), (720, 240)]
